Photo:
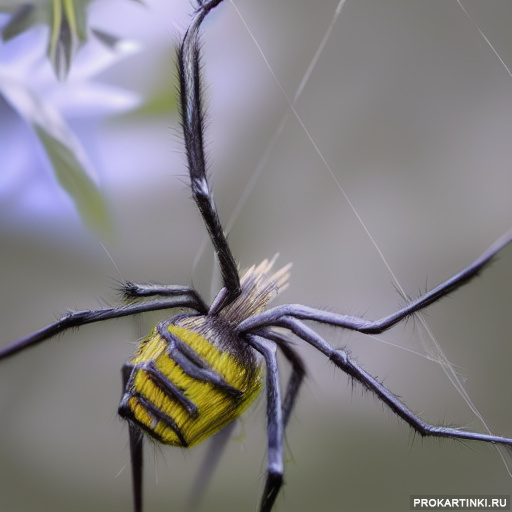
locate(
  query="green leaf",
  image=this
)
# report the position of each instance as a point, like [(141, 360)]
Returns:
[(22, 19), (67, 156), (76, 182)]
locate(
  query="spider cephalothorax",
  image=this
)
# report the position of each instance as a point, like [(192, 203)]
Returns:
[(199, 370)]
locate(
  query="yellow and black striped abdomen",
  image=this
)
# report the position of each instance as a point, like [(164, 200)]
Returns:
[(190, 378)]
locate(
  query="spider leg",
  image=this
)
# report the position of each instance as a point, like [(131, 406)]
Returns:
[(78, 318), (273, 316), (296, 377), (215, 449), (220, 439), (131, 290), (275, 425), (136, 455), (351, 368), (136, 438), (193, 127)]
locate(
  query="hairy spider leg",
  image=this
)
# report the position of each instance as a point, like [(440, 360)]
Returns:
[(75, 319), (219, 440), (215, 450), (136, 449), (275, 424), (298, 372), (275, 316), (193, 128), (132, 291), (257, 328), (351, 368)]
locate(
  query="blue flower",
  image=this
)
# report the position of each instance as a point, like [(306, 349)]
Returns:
[(40, 152)]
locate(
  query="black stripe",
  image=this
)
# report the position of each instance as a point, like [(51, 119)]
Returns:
[(159, 415), (193, 364), (169, 388)]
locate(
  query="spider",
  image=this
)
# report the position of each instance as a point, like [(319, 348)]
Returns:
[(199, 370)]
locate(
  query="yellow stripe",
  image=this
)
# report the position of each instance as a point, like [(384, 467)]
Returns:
[(140, 413), (231, 370)]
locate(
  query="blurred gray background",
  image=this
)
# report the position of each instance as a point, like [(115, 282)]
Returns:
[(412, 111)]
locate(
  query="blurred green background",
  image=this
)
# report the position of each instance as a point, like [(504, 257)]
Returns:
[(412, 111)]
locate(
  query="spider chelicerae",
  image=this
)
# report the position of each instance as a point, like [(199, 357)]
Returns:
[(198, 371)]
